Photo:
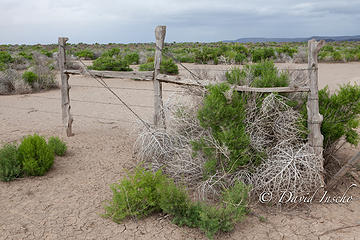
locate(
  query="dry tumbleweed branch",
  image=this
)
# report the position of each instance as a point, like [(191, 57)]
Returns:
[(272, 126)]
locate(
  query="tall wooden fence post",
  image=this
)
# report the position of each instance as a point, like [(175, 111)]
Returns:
[(65, 98), (159, 118), (314, 117)]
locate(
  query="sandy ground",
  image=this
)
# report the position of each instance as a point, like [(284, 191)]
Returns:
[(67, 202)]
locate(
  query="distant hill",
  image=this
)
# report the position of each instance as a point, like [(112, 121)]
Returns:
[(326, 38)]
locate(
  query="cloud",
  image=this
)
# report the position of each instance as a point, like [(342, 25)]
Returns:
[(43, 21)]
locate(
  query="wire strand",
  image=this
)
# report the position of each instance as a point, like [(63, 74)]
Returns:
[(103, 83)]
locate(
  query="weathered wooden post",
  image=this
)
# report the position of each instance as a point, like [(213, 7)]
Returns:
[(159, 118), (314, 117), (65, 98)]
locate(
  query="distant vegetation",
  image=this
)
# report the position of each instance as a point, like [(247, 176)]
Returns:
[(26, 69), (39, 61)]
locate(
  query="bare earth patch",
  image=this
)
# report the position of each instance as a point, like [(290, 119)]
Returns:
[(67, 202)]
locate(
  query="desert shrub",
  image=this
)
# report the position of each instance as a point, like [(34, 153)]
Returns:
[(135, 195), (35, 155), (57, 145), (224, 117), (132, 58), (186, 58), (28, 56), (111, 52), (336, 56), (10, 166), (150, 59), (168, 66), (240, 58), (286, 49), (47, 53), (45, 76), (144, 192), (261, 54), (263, 74), (149, 66), (224, 217), (205, 54), (86, 54), (29, 77), (111, 64), (341, 112), (5, 60)]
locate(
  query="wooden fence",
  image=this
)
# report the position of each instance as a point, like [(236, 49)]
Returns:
[(314, 117)]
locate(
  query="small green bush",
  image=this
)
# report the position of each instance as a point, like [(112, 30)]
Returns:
[(35, 155), (132, 58), (341, 113), (5, 60), (261, 54), (145, 192), (46, 53), (10, 166), (29, 77), (168, 66), (135, 195), (28, 56), (110, 64), (149, 66), (113, 52), (261, 75), (57, 145), (86, 54), (225, 119)]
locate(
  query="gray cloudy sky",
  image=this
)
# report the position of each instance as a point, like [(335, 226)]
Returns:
[(103, 21)]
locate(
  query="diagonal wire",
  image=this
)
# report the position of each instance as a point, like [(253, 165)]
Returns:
[(104, 84)]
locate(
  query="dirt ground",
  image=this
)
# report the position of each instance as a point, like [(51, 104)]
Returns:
[(67, 202)]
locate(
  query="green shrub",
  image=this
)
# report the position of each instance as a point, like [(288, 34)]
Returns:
[(57, 145), (341, 113), (240, 58), (132, 58), (225, 119), (86, 54), (35, 155), (149, 66), (28, 56), (336, 56), (168, 66), (5, 60), (111, 52), (224, 217), (236, 76), (144, 192), (46, 53), (286, 49), (261, 75), (261, 54), (29, 77), (10, 166), (110, 64), (135, 195)]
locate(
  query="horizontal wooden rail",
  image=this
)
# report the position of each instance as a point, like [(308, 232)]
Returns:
[(189, 82), (145, 75)]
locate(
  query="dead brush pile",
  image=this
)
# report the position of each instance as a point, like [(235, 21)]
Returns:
[(219, 136)]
